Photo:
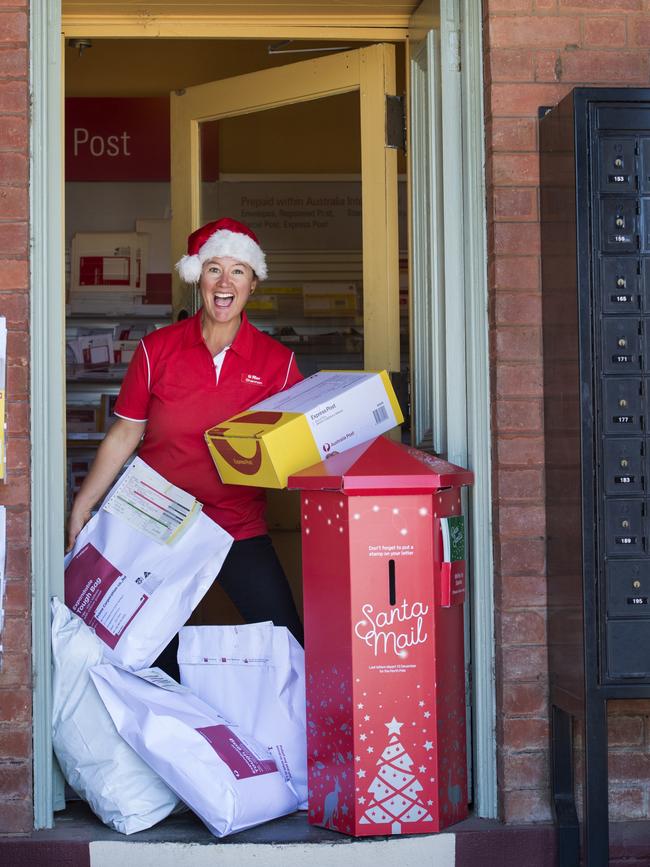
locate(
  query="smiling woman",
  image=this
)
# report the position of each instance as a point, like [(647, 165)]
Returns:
[(184, 379)]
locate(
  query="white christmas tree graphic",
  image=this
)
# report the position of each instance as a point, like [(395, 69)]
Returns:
[(395, 790)]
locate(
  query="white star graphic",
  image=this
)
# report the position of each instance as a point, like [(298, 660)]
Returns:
[(421, 704), (428, 745), (362, 737), (426, 714), (359, 706), (366, 717), (393, 726), (371, 749), (362, 800), (361, 774), (357, 758), (421, 769), (429, 803)]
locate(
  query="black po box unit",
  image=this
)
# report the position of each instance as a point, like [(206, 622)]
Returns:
[(595, 226)]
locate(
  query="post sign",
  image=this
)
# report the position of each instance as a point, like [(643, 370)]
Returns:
[(125, 139)]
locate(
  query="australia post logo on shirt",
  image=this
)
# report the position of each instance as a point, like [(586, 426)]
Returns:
[(251, 379)]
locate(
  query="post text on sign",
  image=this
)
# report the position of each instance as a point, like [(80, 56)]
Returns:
[(99, 145)]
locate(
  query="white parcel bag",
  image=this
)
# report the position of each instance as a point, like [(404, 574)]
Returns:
[(253, 675), (142, 564), (99, 765), (228, 779)]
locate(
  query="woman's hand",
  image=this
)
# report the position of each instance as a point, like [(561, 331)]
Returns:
[(79, 517), (117, 447)]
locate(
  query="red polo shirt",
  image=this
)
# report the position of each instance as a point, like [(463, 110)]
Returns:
[(171, 383)]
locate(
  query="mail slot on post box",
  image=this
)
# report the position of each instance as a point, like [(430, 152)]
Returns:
[(383, 552)]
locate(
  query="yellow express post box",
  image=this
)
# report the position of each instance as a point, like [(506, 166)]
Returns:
[(325, 414)]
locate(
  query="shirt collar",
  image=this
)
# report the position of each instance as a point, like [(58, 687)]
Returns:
[(242, 344)]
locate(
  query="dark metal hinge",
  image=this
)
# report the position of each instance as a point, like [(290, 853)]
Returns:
[(395, 123)]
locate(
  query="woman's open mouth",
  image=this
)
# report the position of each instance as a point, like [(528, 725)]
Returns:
[(223, 299)]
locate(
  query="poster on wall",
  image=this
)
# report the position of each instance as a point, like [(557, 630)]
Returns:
[(296, 214)]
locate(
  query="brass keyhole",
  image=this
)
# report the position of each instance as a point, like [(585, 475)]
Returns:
[(621, 283), (636, 584), (618, 162), (624, 462), (620, 222), (622, 402), (622, 342), (625, 524)]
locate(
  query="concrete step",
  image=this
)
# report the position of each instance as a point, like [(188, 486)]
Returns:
[(80, 840)]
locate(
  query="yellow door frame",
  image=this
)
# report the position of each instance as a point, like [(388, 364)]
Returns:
[(327, 21), (369, 71)]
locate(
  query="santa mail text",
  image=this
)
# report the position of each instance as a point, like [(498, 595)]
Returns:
[(371, 629)]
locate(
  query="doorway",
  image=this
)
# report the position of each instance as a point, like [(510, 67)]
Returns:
[(46, 555)]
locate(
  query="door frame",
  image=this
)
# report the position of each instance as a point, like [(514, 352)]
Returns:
[(47, 314)]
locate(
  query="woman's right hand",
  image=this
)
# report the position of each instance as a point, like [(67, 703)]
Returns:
[(118, 445)]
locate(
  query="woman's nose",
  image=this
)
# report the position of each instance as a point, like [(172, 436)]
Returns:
[(224, 279)]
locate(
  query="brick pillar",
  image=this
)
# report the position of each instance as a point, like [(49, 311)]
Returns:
[(15, 677), (535, 52)]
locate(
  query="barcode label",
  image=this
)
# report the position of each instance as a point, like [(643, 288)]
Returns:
[(380, 414)]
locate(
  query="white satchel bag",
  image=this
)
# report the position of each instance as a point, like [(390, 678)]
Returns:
[(228, 779), (142, 564), (253, 675), (101, 767)]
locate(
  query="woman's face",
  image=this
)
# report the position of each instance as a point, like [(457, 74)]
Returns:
[(225, 285)]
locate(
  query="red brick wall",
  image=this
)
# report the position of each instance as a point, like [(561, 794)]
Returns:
[(535, 52), (15, 677)]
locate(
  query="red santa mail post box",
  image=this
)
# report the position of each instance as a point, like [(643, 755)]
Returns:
[(384, 581)]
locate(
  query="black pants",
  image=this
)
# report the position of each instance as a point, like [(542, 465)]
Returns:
[(254, 579)]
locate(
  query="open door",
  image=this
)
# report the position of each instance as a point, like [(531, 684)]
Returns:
[(369, 75)]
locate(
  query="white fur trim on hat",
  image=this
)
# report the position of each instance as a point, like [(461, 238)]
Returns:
[(224, 243)]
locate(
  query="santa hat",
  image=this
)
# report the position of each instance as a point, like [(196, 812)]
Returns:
[(224, 237)]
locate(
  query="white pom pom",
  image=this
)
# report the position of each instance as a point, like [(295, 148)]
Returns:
[(189, 268)]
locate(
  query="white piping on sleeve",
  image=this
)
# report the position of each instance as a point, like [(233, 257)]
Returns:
[(146, 355), (293, 355), (127, 418)]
